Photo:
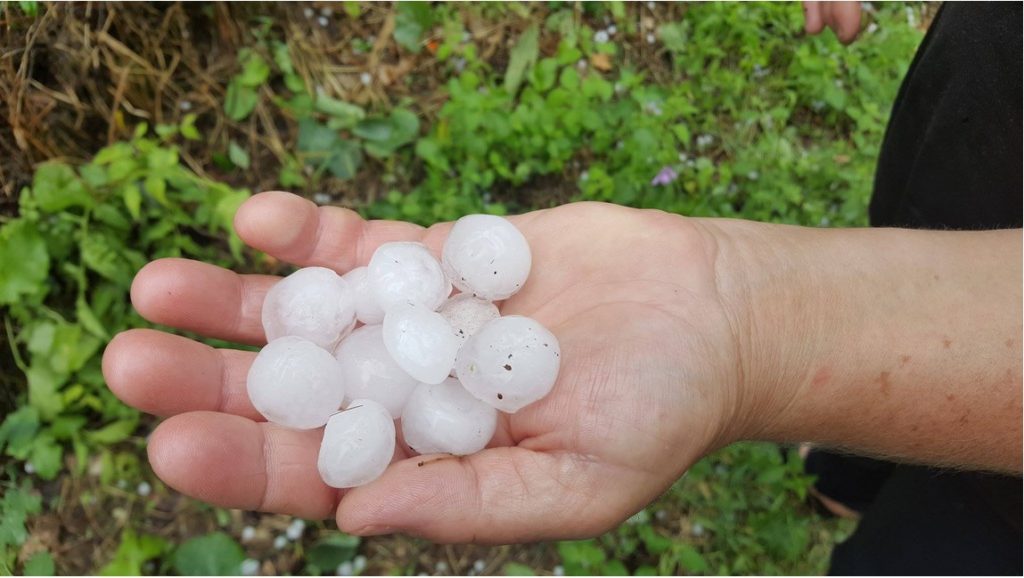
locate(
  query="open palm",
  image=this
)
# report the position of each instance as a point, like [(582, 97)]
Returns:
[(648, 381)]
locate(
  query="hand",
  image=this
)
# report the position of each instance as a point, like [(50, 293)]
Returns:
[(650, 378), (842, 17)]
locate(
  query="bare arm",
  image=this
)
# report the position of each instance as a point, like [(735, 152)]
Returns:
[(889, 342)]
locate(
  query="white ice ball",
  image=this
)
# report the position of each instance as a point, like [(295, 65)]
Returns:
[(295, 383), (313, 303), (421, 342), (487, 256), (467, 314), (368, 310), (401, 273), (510, 363), (444, 418), (371, 373), (358, 445)]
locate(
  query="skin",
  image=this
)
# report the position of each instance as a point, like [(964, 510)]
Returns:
[(842, 17), (678, 336)]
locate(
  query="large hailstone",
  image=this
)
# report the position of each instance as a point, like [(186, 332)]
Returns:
[(358, 445), (368, 309), (445, 419), (371, 373), (510, 363), (313, 303), (487, 256), (401, 273), (421, 342), (295, 383), (467, 314)]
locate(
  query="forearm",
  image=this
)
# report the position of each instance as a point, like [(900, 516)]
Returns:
[(883, 341)]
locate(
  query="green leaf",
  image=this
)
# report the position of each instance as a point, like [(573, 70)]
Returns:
[(43, 384), (215, 554), (238, 155), (411, 20), (255, 69), (113, 432), (56, 187), (691, 559), (615, 568), (24, 262), (239, 101), (16, 505), (18, 430), (47, 457), (133, 552), (156, 186), (40, 564), (88, 319), (646, 571), (348, 114), (315, 137), (188, 127), (132, 199), (376, 129), (101, 255), (332, 550), (403, 128), (345, 160), (522, 58), (517, 569)]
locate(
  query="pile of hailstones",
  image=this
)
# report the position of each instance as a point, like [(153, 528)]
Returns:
[(444, 365)]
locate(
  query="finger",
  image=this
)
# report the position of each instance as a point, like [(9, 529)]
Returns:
[(812, 17), (499, 495), (845, 20), (166, 374), (296, 230), (203, 298), (233, 462)]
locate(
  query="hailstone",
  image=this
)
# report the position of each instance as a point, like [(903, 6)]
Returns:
[(371, 373), (487, 256), (445, 418), (467, 314), (368, 310), (313, 303), (421, 342), (511, 362), (295, 383), (401, 272), (358, 445)]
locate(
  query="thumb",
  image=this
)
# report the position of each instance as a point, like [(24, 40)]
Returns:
[(499, 495)]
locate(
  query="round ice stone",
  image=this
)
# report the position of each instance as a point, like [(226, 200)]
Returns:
[(358, 445), (368, 310), (510, 362), (401, 273), (313, 303), (486, 256), (371, 373), (294, 383), (445, 419), (421, 342), (467, 314)]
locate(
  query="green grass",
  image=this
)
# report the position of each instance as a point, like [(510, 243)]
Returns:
[(754, 120)]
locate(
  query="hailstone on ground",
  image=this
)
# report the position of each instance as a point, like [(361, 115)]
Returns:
[(467, 314), (401, 273), (421, 342), (295, 383), (510, 363), (445, 418), (358, 445), (487, 256), (313, 303), (371, 373), (368, 310)]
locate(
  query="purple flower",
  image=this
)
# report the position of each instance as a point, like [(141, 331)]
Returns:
[(665, 176)]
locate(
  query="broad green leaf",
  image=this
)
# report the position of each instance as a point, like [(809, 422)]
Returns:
[(101, 255), (348, 114), (188, 127), (375, 129), (215, 554), (113, 432), (133, 552), (24, 262), (255, 69), (239, 100), (43, 384), (47, 456), (522, 58), (56, 187), (332, 550), (18, 430), (411, 20), (517, 569), (40, 564), (315, 137), (238, 155), (16, 505), (690, 559), (87, 318), (132, 197), (345, 160)]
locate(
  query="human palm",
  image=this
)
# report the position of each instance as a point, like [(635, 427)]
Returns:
[(648, 381)]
